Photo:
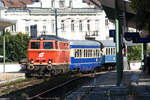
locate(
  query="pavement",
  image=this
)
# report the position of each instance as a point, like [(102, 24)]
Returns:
[(12, 72), (135, 85)]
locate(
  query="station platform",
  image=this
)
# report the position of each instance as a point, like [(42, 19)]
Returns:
[(11, 76), (135, 85)]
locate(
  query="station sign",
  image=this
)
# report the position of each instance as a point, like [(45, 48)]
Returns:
[(112, 33), (135, 37)]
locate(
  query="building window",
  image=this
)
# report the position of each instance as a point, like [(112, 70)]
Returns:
[(72, 25), (88, 25), (80, 26), (106, 22), (52, 3), (96, 25), (83, 1), (53, 26), (62, 26), (61, 3), (37, 0), (13, 28), (70, 3), (44, 29), (27, 29)]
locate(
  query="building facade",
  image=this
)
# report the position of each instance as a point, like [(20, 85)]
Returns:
[(76, 19)]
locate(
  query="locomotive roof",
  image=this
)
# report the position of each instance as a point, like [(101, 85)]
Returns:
[(49, 37), (84, 42), (108, 43)]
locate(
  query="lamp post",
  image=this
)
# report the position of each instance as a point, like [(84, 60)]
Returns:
[(56, 30)]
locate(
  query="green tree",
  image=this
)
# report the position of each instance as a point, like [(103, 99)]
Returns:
[(16, 46), (134, 53)]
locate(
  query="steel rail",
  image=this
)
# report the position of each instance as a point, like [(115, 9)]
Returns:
[(51, 89)]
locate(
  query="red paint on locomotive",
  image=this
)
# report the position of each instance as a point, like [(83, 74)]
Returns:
[(58, 53)]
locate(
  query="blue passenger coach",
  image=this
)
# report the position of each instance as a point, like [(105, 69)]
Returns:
[(85, 55), (109, 53)]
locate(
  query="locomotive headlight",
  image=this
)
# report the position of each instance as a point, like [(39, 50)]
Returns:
[(31, 61), (50, 61)]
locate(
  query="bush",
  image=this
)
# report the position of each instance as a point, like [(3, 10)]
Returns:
[(16, 46)]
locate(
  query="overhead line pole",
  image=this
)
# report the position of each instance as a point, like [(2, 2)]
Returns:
[(118, 47)]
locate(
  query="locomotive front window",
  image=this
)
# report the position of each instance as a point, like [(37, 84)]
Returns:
[(47, 45), (35, 45)]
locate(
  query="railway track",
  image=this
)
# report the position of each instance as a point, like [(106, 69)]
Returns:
[(50, 93), (53, 88), (60, 91)]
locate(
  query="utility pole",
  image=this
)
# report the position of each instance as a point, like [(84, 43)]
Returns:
[(4, 53), (56, 29)]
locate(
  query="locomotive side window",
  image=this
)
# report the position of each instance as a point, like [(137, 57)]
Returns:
[(35, 45), (47, 45)]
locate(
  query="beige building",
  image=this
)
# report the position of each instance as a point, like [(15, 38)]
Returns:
[(77, 19)]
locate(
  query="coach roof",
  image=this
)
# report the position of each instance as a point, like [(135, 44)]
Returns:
[(84, 42), (108, 43)]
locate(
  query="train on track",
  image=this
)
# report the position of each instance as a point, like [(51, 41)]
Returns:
[(50, 55), (109, 54)]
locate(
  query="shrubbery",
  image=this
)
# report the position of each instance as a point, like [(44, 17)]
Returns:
[(16, 46), (134, 52)]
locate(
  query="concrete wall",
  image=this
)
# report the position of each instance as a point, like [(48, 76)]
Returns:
[(10, 67)]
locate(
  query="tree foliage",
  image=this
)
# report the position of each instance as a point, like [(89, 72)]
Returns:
[(134, 53), (142, 9), (16, 46)]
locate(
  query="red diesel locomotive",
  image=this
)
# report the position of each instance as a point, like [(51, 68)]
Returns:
[(47, 55)]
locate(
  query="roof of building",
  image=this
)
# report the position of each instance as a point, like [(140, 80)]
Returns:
[(24, 3), (17, 3)]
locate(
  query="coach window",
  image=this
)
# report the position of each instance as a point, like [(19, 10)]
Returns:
[(80, 52), (85, 53), (90, 53), (114, 51), (94, 53), (106, 51), (48, 45), (98, 53), (76, 52), (109, 51)]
